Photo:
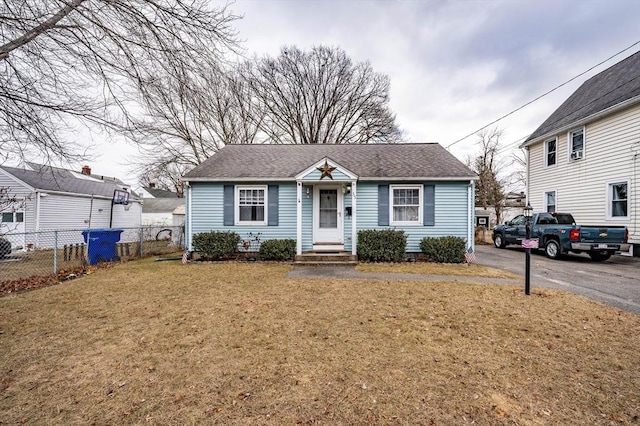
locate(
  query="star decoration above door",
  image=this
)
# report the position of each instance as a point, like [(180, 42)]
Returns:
[(326, 170)]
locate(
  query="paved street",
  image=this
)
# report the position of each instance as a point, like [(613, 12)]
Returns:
[(615, 282)]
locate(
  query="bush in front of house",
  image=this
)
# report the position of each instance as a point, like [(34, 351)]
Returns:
[(216, 244), (384, 245), (443, 249), (278, 249)]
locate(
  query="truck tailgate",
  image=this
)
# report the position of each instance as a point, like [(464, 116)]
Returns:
[(606, 234)]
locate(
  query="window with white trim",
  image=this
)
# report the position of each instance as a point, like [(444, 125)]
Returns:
[(550, 148), (550, 201), (251, 205), (576, 144), (619, 200), (406, 204)]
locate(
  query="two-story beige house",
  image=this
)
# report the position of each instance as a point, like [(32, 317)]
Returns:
[(585, 158)]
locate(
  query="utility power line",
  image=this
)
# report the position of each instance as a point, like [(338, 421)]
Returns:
[(543, 95)]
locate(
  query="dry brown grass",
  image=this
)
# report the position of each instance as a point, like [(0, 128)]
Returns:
[(427, 268), (162, 343)]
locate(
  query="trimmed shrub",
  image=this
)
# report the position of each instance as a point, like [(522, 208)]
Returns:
[(278, 250), (443, 249), (385, 245), (216, 245)]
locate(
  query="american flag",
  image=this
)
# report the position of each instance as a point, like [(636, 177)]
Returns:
[(185, 257), (470, 256)]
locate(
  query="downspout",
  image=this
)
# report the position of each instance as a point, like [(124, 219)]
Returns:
[(527, 172), (299, 218), (37, 211), (37, 230), (189, 228), (470, 219)]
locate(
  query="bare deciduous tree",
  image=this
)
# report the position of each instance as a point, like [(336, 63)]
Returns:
[(489, 186), (188, 119), (63, 60), (321, 96)]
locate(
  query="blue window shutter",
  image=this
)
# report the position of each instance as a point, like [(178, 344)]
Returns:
[(273, 205), (428, 208), (383, 205), (229, 197)]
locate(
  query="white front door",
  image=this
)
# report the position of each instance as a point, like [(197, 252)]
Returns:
[(327, 215)]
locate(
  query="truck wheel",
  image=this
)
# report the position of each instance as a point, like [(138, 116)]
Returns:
[(599, 257), (498, 241), (552, 249)]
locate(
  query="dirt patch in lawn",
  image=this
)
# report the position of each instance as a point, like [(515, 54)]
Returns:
[(426, 268), (236, 343)]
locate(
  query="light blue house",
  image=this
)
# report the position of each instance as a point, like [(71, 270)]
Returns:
[(322, 195)]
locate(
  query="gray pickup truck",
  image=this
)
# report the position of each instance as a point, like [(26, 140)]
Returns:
[(558, 234)]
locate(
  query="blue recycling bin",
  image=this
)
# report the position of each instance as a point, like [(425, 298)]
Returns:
[(101, 244)]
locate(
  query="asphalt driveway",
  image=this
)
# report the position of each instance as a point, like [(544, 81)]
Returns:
[(615, 282)]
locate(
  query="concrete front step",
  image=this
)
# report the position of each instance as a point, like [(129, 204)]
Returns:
[(320, 258)]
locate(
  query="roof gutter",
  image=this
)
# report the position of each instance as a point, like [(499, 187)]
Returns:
[(361, 179), (581, 122), (75, 194)]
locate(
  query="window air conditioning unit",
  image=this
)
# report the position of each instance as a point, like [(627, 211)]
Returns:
[(576, 155)]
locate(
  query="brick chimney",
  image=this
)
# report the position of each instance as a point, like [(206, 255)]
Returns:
[(86, 170)]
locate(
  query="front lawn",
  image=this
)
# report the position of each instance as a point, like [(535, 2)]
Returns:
[(238, 343)]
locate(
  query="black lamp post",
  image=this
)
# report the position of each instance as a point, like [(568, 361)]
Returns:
[(528, 213)]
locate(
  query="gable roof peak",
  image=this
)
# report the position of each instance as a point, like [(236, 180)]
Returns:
[(613, 88)]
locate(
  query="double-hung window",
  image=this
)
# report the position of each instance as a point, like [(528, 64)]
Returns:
[(550, 201), (406, 204), (251, 205), (11, 217), (618, 200), (550, 148), (576, 144)]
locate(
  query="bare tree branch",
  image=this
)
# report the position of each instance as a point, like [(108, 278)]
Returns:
[(67, 60), (321, 96)]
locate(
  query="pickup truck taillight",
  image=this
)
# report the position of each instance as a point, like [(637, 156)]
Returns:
[(574, 234)]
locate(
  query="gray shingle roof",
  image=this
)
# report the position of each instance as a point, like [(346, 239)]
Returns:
[(161, 205), (369, 162), (616, 84), (56, 179), (160, 193)]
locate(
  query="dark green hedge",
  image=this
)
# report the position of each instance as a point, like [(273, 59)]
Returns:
[(278, 250), (216, 245), (385, 245), (443, 249)]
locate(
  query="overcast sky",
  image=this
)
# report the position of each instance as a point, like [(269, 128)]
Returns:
[(455, 66)]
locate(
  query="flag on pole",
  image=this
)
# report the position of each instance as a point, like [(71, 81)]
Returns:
[(185, 257), (470, 256)]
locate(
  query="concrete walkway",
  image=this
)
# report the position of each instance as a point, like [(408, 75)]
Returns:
[(349, 272)]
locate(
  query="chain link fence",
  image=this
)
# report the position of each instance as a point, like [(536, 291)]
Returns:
[(63, 252)]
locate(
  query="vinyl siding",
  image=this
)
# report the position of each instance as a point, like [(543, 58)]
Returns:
[(337, 175), (451, 213), (307, 218), (612, 154), (207, 212), (22, 192)]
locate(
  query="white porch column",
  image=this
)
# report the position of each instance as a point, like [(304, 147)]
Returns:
[(354, 215), (299, 218)]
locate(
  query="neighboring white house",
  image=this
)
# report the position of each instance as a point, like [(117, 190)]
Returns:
[(159, 211), (159, 206), (585, 158), (47, 198)]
